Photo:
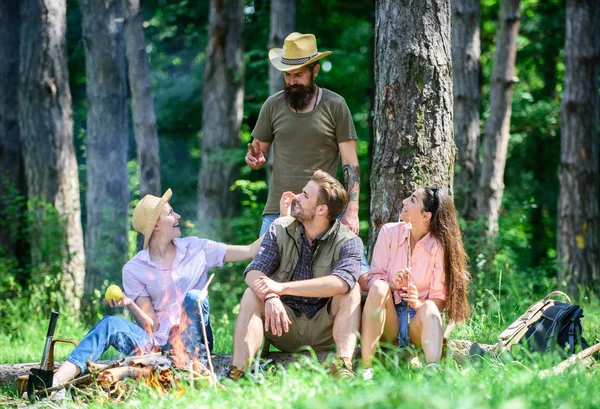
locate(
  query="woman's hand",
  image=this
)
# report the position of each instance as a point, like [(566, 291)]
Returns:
[(410, 294), (124, 302), (285, 203), (400, 279)]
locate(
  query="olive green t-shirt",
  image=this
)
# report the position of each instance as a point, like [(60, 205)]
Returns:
[(302, 142)]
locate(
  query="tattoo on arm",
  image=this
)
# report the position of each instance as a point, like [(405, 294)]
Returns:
[(352, 181)]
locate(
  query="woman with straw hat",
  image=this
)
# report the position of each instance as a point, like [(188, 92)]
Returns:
[(164, 284)]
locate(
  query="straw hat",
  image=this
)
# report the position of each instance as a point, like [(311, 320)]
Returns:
[(147, 212), (298, 50)]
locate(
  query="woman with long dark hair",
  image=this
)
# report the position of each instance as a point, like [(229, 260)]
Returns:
[(418, 269)]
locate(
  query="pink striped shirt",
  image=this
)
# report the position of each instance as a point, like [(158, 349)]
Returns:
[(167, 287), (427, 261)]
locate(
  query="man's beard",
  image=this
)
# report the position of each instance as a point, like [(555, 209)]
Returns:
[(298, 96), (300, 214)]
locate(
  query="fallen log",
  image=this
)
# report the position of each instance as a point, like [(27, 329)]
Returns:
[(458, 350), (584, 358)]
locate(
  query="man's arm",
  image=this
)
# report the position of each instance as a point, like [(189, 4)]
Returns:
[(351, 181), (342, 278)]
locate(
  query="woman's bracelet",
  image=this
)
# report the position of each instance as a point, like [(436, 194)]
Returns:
[(271, 295)]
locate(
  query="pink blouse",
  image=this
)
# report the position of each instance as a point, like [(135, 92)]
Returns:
[(427, 261), (167, 287)]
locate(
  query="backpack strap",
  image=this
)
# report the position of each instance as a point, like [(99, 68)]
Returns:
[(555, 293)]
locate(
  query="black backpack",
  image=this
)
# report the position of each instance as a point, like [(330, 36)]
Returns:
[(547, 325)]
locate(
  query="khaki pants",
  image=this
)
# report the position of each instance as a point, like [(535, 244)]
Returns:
[(315, 332)]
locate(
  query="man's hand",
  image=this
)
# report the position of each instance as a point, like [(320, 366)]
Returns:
[(124, 302), (285, 203), (410, 294), (264, 285), (350, 218), (400, 279), (276, 317), (255, 157)]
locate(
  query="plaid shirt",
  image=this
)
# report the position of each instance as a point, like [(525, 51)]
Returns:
[(347, 269)]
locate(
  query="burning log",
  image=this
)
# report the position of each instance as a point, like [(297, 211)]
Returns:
[(110, 376)]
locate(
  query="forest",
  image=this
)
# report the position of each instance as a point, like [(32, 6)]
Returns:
[(498, 102)]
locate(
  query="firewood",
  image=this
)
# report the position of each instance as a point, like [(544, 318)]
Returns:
[(584, 358), (108, 377)]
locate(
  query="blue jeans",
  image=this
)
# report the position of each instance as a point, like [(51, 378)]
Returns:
[(268, 219), (404, 312), (129, 338)]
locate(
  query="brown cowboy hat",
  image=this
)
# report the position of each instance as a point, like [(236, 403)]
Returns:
[(298, 50), (147, 212)]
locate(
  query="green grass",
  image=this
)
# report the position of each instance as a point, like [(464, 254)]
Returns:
[(491, 384)]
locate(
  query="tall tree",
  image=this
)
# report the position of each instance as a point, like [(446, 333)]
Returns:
[(283, 21), (578, 234), (497, 126), (142, 104), (222, 100), (466, 51), (107, 198), (12, 171), (412, 139), (46, 126)]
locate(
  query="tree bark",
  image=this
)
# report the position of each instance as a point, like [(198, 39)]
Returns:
[(46, 126), (578, 252), (142, 103), (412, 142), (12, 170), (107, 142), (466, 51), (283, 21), (497, 127), (222, 100)]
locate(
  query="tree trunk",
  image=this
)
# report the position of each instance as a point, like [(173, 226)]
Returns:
[(466, 51), (413, 144), (578, 250), (107, 142), (12, 170), (283, 21), (142, 104), (222, 100), (46, 127), (497, 127)]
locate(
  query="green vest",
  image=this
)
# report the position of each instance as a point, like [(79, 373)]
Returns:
[(289, 242)]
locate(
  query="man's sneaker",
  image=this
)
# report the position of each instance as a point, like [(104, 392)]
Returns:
[(341, 368), (367, 374), (234, 373)]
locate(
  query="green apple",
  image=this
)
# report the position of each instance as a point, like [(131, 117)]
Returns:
[(113, 292)]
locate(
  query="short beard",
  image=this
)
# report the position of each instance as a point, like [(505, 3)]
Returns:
[(299, 96), (298, 213)]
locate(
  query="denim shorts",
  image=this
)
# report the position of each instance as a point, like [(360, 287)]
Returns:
[(404, 311)]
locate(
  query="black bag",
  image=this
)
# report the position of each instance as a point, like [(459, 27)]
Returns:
[(546, 326), (558, 327)]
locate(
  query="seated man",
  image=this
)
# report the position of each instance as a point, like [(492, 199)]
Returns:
[(302, 288)]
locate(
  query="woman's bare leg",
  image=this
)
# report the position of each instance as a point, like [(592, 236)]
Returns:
[(425, 331), (379, 320)]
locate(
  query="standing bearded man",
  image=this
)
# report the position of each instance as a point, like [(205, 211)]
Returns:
[(310, 127)]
